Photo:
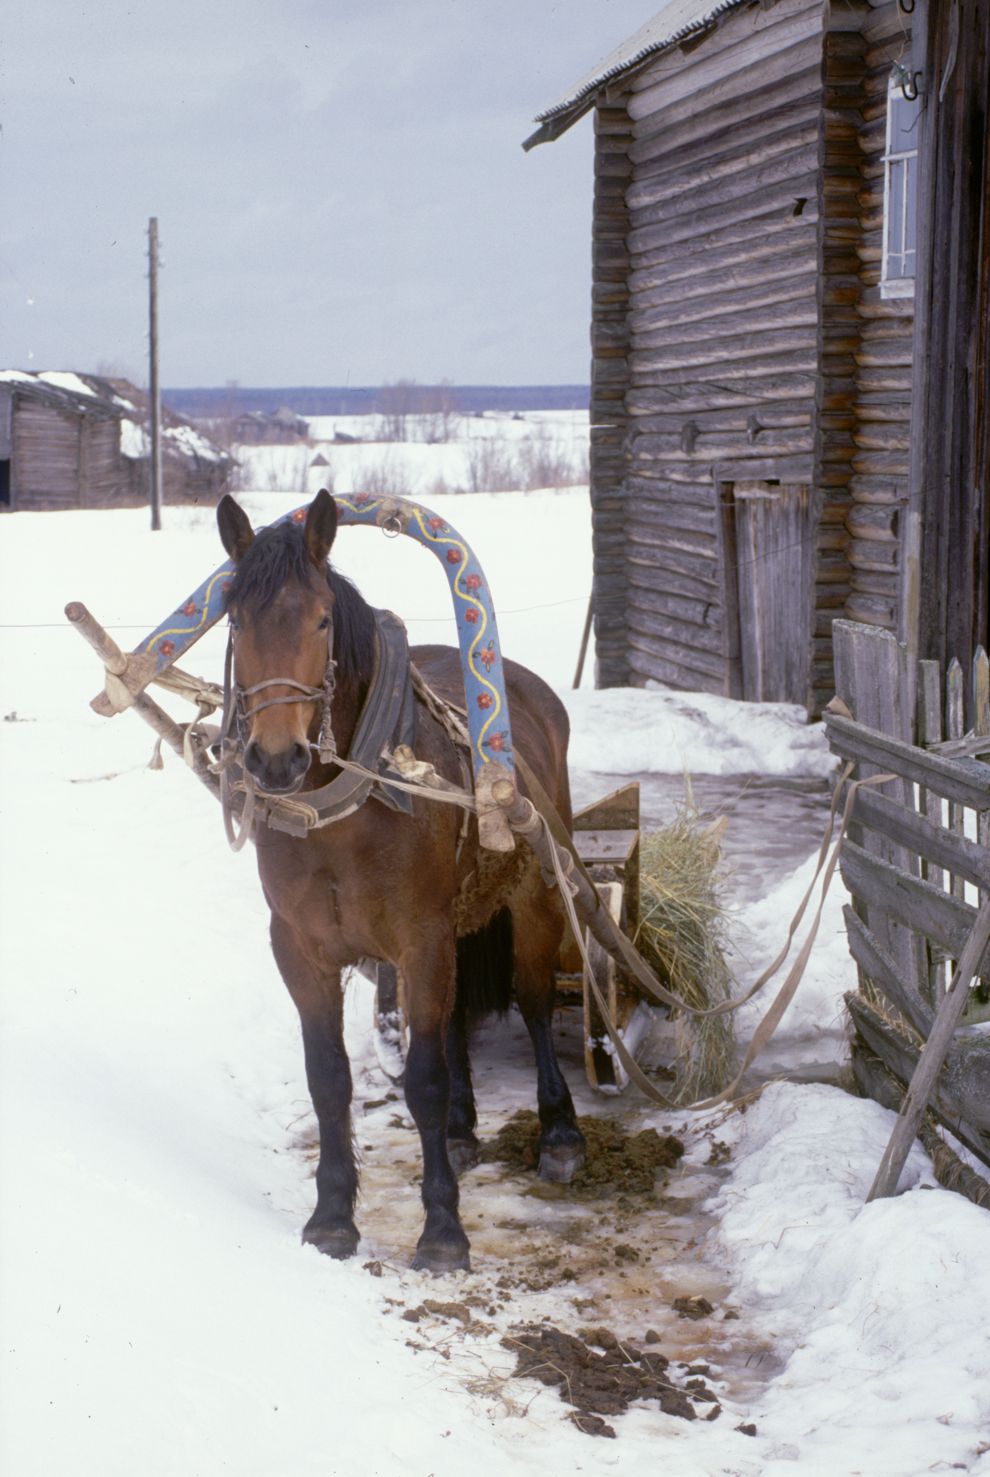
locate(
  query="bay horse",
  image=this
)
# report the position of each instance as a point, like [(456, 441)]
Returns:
[(460, 924)]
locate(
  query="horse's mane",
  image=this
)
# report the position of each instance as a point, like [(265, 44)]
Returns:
[(277, 556)]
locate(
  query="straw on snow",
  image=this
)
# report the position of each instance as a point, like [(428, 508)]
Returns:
[(681, 935)]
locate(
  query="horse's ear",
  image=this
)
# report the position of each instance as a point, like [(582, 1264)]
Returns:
[(321, 527), (235, 528)]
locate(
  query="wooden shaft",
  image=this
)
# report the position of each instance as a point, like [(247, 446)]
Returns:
[(100, 640), (115, 661)]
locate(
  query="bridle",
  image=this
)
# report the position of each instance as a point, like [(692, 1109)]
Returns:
[(238, 715), (386, 722)]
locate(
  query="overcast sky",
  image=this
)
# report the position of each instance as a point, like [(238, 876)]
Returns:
[(341, 192)]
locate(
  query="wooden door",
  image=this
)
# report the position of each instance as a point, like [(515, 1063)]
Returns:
[(771, 548)]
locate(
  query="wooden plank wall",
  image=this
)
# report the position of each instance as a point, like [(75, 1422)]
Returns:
[(843, 76), (879, 481), (46, 456), (951, 441), (102, 478), (609, 382), (723, 210)]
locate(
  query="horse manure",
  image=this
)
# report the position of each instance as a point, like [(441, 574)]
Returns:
[(431, 1307), (692, 1307), (602, 1384), (591, 1425), (618, 1164)]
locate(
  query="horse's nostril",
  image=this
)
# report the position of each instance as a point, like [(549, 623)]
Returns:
[(276, 772)]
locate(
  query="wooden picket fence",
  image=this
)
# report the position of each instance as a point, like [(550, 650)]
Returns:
[(917, 864)]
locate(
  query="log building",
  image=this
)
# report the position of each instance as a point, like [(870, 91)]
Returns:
[(79, 441), (789, 295)]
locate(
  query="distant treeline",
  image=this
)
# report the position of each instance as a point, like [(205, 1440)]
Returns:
[(234, 400)]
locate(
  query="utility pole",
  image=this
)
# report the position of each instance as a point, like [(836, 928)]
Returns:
[(154, 388)]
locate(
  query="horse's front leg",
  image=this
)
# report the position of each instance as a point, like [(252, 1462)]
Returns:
[(428, 970), (316, 991)]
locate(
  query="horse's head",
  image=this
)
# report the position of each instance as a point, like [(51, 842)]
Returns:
[(280, 605)]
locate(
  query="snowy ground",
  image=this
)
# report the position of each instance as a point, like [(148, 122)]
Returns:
[(158, 1313)]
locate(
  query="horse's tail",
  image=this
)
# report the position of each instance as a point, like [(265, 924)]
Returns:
[(484, 968)]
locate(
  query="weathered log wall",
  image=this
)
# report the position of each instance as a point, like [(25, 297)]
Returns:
[(740, 338), (723, 209), (609, 383), (45, 459), (878, 485)]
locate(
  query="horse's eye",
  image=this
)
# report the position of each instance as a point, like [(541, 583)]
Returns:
[(233, 625), (324, 624)]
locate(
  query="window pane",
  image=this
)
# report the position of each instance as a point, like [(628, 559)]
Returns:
[(903, 128), (911, 185), (895, 219)]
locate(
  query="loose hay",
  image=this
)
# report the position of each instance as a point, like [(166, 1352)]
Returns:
[(681, 936)]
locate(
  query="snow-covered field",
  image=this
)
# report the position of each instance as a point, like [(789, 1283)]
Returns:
[(158, 1312)]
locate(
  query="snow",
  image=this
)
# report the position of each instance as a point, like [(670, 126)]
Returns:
[(188, 440), (134, 441), (638, 731), (159, 1313), (65, 380)]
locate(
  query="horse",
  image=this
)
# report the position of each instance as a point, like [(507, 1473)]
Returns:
[(410, 886)]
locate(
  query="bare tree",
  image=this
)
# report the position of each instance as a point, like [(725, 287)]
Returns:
[(396, 403), (440, 412)]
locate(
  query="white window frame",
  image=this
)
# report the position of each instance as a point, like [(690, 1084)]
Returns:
[(899, 262)]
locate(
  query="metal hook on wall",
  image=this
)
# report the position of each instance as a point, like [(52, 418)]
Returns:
[(908, 82)]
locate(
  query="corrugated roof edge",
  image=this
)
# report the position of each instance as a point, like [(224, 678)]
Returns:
[(558, 118)]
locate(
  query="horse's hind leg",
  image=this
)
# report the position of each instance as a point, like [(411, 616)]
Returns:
[(562, 1146), (484, 985), (429, 974), (319, 1000), (462, 1115)]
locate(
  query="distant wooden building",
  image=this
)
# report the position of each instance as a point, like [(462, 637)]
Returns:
[(789, 337), (272, 427), (79, 441)]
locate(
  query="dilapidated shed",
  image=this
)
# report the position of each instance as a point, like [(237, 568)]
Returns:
[(80, 441), (789, 212)]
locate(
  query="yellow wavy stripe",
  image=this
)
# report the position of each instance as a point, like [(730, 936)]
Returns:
[(191, 630), (468, 600)]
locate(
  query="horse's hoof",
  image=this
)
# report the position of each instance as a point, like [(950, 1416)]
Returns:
[(561, 1162), (462, 1153), (339, 1242), (439, 1257)]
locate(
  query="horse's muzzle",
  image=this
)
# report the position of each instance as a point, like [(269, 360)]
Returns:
[(277, 774)]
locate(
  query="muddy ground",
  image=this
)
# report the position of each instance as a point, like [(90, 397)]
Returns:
[(617, 1271)]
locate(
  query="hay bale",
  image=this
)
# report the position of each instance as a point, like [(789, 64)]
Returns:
[(682, 933)]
